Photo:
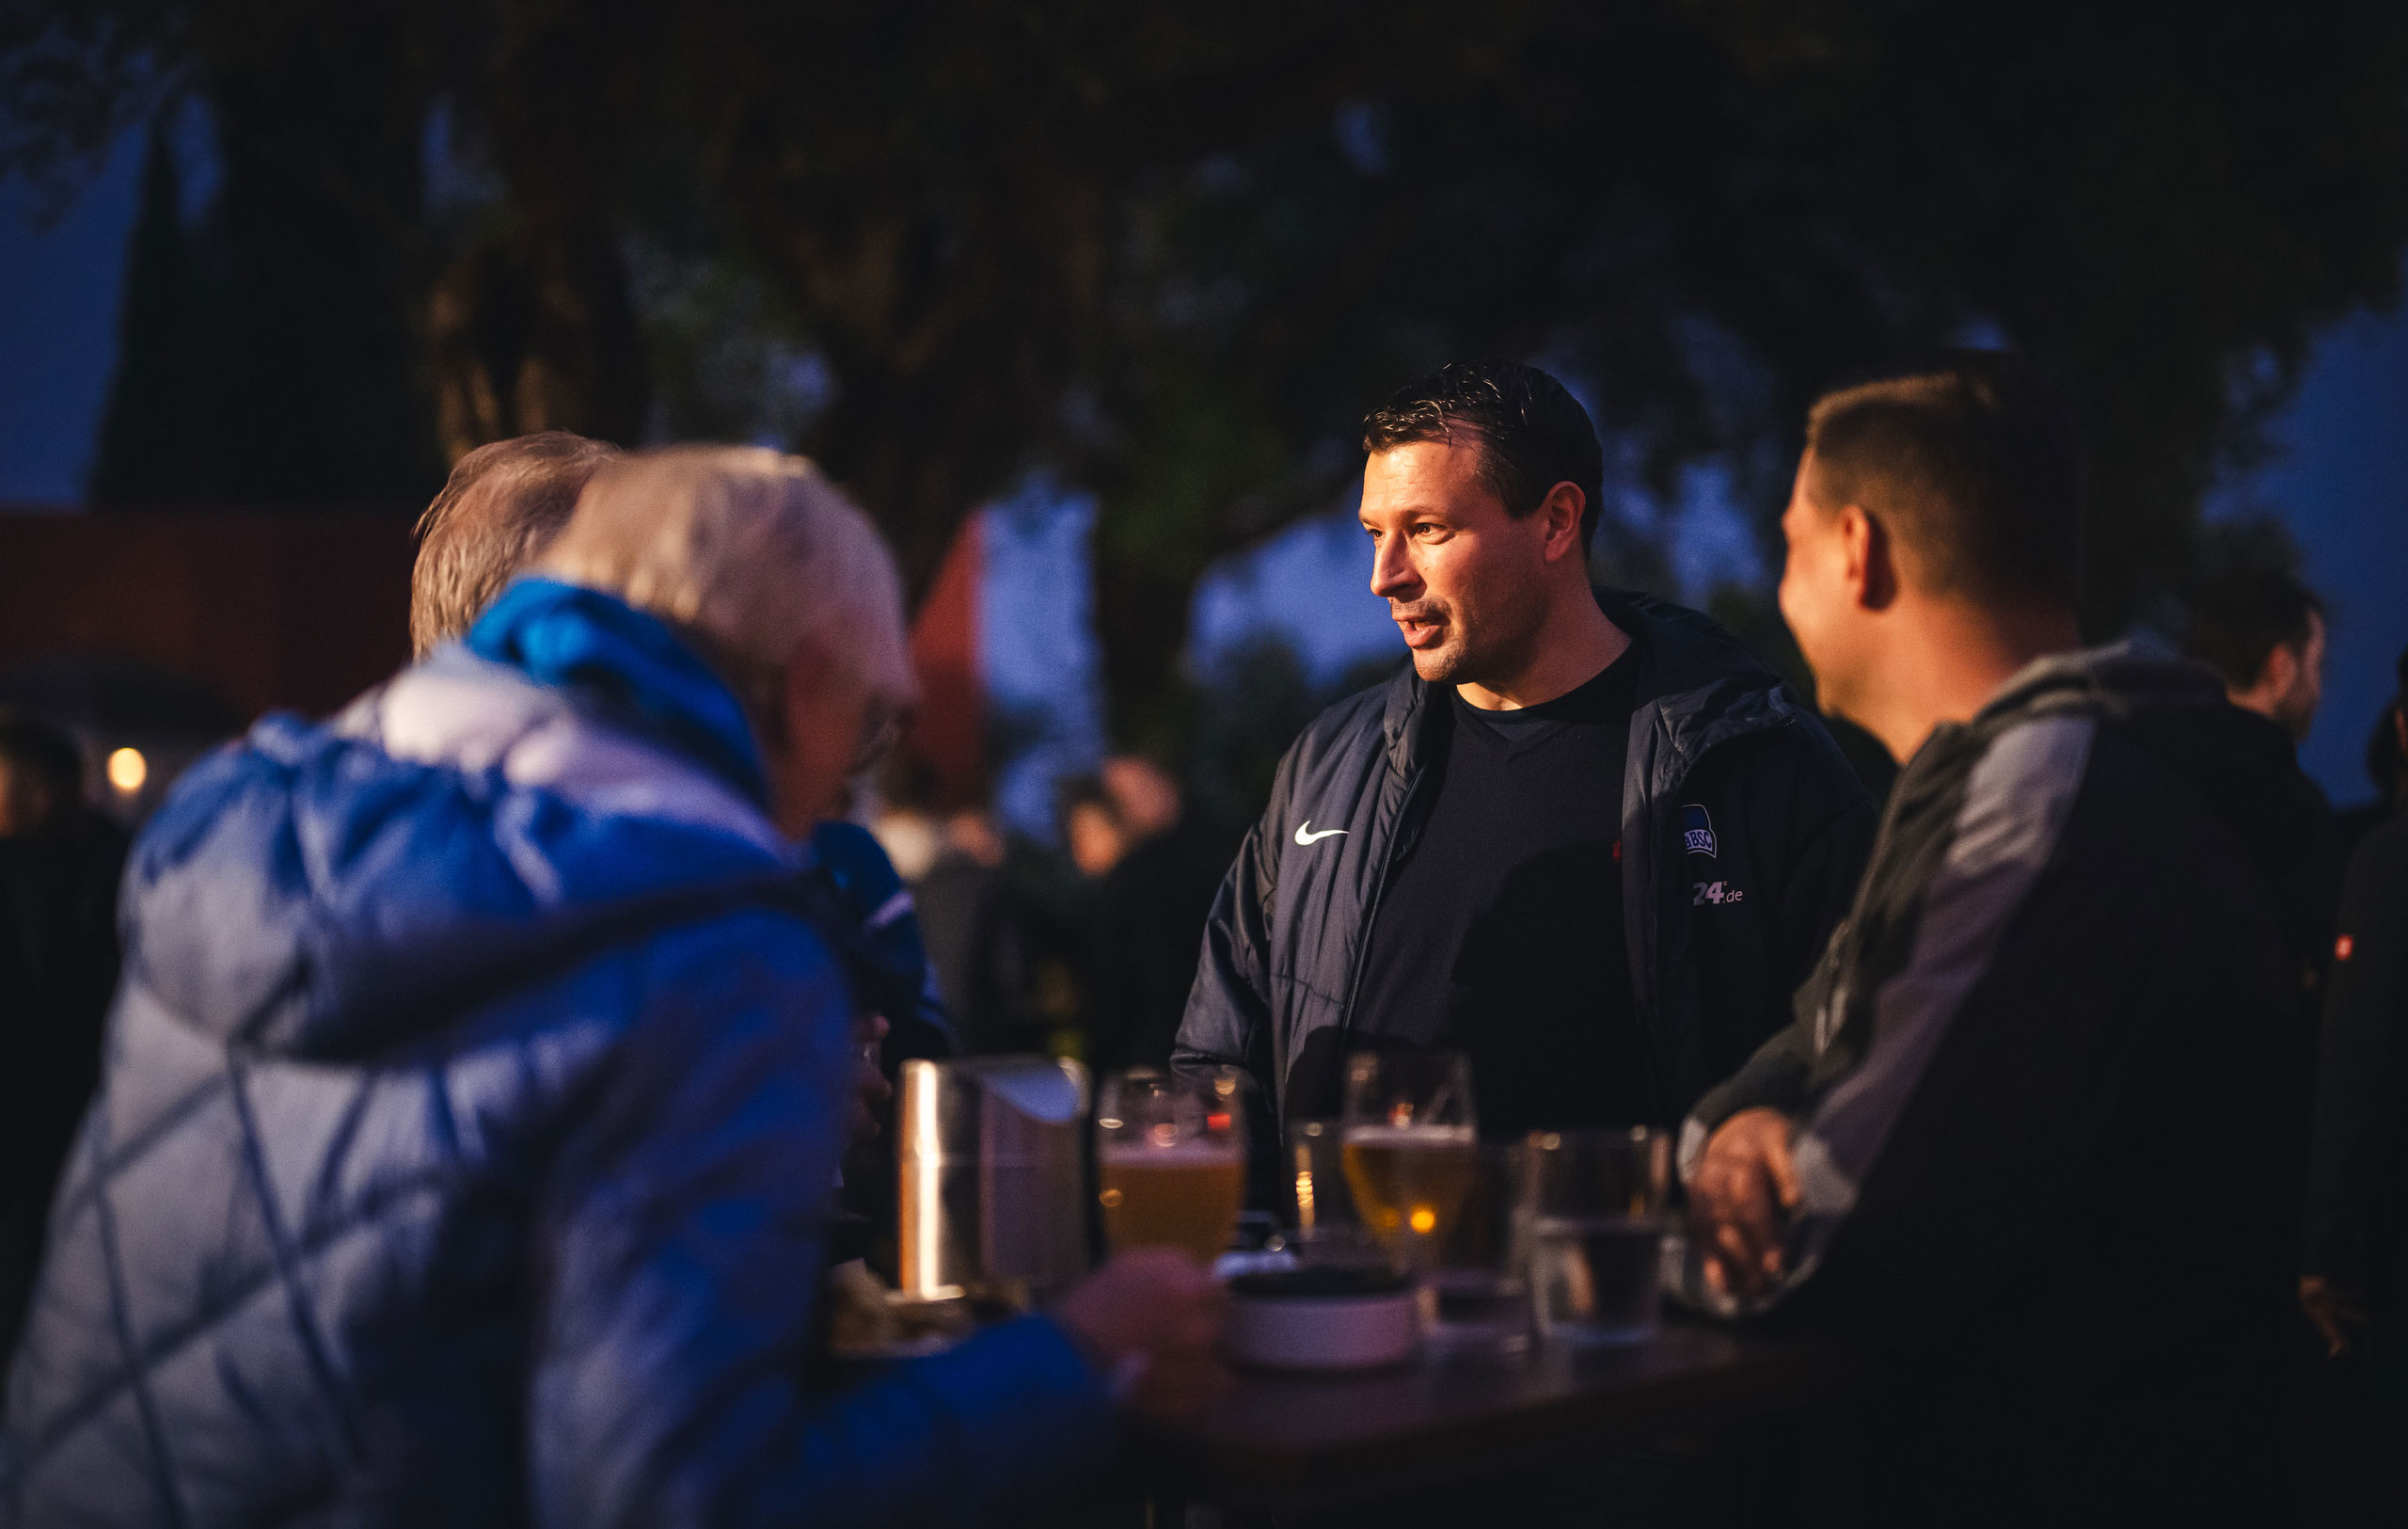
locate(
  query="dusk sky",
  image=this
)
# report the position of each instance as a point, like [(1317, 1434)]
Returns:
[(2338, 482)]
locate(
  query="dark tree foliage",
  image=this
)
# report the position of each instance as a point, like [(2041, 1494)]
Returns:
[(1173, 252)]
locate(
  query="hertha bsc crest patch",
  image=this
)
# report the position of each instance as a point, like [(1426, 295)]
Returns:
[(1697, 830)]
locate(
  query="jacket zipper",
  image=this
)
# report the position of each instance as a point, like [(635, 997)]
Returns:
[(1371, 914)]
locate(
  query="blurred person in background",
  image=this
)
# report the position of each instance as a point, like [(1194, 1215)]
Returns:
[(2030, 1148), (1093, 834), (1589, 838), (2354, 1280), (1153, 875), (478, 1071), (60, 863), (967, 911), (2262, 632), (977, 927)]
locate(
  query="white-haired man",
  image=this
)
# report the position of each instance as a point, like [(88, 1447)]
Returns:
[(479, 1072)]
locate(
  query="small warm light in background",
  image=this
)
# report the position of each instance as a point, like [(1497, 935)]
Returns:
[(128, 770)]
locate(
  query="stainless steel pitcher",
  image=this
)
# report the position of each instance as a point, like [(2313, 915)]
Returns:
[(993, 1201)]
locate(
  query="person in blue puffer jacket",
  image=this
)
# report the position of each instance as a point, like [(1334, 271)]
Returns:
[(479, 1072)]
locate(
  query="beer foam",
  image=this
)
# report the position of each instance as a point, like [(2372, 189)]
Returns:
[(1409, 1136), (1130, 1148)]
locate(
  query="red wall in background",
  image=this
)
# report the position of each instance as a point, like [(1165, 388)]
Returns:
[(295, 610), (304, 611), (950, 732)]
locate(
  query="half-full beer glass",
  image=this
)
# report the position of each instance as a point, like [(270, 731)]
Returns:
[(1411, 1147), (1171, 1155)]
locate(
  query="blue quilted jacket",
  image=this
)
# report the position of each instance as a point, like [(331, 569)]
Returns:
[(464, 1150)]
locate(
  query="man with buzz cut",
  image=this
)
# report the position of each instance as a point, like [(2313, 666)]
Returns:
[(2031, 1147), (1589, 839)]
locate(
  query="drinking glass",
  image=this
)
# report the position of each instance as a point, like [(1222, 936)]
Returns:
[(1171, 1153), (1474, 1289), (1410, 1148), (1597, 1212)]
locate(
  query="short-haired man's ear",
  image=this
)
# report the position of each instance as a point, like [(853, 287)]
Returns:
[(1561, 512), (2280, 672), (1872, 558)]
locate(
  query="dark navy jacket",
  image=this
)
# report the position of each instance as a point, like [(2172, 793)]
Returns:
[(463, 1154), (1721, 926)]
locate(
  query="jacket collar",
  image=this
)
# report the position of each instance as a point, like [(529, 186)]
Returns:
[(631, 663), (1702, 685)]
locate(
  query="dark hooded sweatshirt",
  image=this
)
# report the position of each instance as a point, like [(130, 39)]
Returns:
[(1715, 737), (2047, 1085)]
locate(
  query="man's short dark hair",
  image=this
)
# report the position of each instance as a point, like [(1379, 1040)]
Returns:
[(1971, 466), (1531, 431), (2247, 601), (502, 506)]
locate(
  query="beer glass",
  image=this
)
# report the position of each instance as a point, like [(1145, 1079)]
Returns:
[(1410, 1148), (1171, 1155), (1597, 1208)]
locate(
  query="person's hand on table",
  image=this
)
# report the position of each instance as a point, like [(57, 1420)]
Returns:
[(870, 1088), (1151, 1318), (1741, 1201), (2338, 1312)]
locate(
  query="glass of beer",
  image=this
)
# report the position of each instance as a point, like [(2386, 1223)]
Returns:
[(1411, 1149), (1597, 1208), (1171, 1153)]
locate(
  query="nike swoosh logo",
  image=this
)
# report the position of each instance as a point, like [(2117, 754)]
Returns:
[(1302, 838)]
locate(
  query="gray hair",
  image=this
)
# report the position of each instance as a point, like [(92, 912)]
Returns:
[(753, 553), (502, 506)]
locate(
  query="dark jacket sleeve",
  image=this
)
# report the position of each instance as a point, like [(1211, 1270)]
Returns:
[(679, 1250), (1228, 1023), (2358, 1157)]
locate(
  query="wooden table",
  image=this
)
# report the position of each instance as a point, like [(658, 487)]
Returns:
[(1281, 1442)]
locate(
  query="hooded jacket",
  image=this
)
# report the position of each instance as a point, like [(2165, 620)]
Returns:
[(1717, 742), (473, 1094), (2048, 1089)]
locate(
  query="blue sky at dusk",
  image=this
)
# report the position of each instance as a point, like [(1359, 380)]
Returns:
[(2341, 480)]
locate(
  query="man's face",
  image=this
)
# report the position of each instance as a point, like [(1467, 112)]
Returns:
[(1467, 584), (1821, 585), (839, 721)]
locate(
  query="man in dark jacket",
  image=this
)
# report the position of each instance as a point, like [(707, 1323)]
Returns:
[(1589, 839), (2353, 1280), (2357, 1188), (477, 1079), (2030, 1147)]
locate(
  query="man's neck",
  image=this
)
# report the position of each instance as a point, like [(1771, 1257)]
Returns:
[(1946, 659), (1574, 645)]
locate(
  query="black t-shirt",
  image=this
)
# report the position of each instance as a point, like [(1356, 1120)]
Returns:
[(1500, 932)]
